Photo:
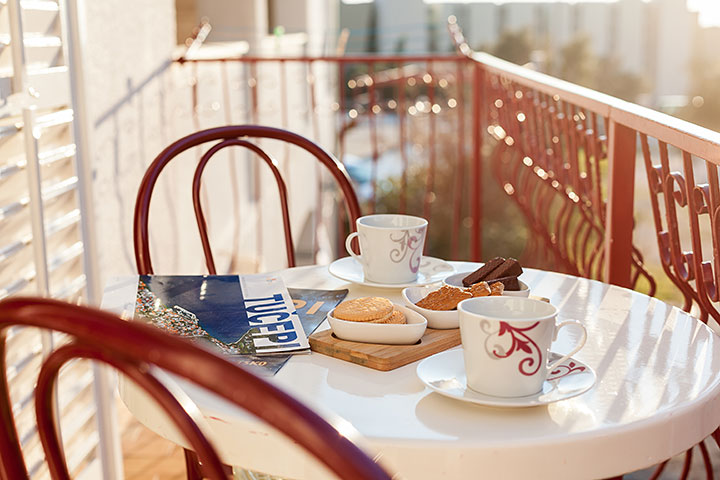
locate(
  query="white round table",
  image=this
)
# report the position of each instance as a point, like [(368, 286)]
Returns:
[(658, 379)]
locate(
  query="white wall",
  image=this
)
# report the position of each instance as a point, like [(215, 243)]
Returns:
[(140, 102), (356, 18), (483, 18), (127, 60)]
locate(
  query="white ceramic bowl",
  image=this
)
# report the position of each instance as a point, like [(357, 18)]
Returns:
[(456, 281), (390, 334), (440, 319)]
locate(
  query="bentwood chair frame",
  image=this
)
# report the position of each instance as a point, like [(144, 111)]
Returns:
[(138, 351), (231, 136)]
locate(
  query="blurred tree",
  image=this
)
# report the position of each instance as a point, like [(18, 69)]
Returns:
[(505, 231), (513, 46), (611, 79), (576, 62), (704, 105)]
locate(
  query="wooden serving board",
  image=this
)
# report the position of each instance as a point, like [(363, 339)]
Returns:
[(384, 357)]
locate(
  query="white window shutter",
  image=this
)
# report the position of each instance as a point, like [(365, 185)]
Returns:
[(46, 246)]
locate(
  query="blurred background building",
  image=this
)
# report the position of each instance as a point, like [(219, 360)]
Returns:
[(637, 46), (650, 41)]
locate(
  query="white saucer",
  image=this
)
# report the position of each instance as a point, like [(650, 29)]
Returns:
[(432, 270), (445, 373)]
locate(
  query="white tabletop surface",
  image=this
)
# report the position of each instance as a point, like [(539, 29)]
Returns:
[(658, 380)]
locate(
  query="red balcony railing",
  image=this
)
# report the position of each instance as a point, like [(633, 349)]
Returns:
[(429, 126), (567, 156), (410, 115)]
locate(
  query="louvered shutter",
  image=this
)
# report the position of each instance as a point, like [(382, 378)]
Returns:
[(45, 246)]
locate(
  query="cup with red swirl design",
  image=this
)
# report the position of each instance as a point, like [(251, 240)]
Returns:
[(507, 341)]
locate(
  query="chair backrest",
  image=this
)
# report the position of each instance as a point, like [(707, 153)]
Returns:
[(135, 350), (231, 136)]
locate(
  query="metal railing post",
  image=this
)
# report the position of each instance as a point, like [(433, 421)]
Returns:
[(621, 189)]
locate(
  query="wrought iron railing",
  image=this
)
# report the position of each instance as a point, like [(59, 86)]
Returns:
[(429, 127), (406, 114), (567, 156)]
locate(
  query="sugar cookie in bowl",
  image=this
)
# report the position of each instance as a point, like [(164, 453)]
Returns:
[(376, 320)]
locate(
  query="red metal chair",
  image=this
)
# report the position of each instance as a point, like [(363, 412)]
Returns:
[(231, 136), (135, 349)]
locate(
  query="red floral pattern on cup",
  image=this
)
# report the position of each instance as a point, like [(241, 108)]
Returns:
[(520, 342), (566, 369)]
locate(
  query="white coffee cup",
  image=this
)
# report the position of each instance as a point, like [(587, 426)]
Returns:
[(506, 342), (391, 247)]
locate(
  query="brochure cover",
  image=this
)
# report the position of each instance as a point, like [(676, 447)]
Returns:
[(249, 314), (251, 318), (312, 307)]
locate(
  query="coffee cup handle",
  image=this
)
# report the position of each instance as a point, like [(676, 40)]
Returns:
[(576, 349), (348, 246)]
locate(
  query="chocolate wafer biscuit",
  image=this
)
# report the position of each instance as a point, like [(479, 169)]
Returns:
[(483, 272), (509, 268), (510, 283)]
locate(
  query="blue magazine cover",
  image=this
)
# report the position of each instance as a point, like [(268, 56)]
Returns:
[(312, 307), (250, 318)]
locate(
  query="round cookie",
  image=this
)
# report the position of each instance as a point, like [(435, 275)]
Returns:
[(396, 317), (364, 309)]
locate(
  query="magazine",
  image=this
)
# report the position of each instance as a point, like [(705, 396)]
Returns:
[(253, 319), (312, 308)]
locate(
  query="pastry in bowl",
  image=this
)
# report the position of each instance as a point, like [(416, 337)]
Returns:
[(439, 319), (446, 298), (439, 305)]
